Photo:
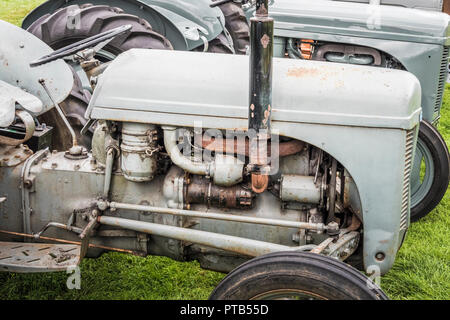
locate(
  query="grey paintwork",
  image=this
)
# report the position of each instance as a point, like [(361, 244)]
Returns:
[(414, 37), (169, 18), (433, 5), (360, 115), (301, 92), (15, 56)]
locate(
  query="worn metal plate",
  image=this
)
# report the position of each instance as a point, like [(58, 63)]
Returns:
[(12, 156), (37, 257)]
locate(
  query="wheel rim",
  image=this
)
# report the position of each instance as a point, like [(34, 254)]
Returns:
[(288, 294), (423, 173)]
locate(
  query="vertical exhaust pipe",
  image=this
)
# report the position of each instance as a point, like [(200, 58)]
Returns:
[(260, 105)]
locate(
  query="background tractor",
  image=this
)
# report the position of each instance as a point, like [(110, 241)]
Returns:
[(393, 34)]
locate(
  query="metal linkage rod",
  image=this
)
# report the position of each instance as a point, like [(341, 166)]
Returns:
[(248, 247), (217, 216)]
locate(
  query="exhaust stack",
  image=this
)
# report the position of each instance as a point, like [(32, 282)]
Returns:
[(260, 102)]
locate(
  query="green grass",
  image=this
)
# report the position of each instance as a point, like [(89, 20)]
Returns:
[(421, 271), (14, 11)]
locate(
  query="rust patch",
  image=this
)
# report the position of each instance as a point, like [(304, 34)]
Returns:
[(262, 11), (259, 183), (265, 40), (267, 115), (302, 72)]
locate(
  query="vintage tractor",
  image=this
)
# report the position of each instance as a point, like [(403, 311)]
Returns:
[(278, 169), (393, 35)]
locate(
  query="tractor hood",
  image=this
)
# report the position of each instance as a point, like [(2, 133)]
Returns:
[(359, 20), (180, 88)]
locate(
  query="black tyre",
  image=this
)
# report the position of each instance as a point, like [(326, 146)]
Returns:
[(218, 45), (433, 158), (58, 29), (237, 25), (296, 275)]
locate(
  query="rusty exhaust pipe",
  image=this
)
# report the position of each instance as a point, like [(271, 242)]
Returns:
[(260, 106)]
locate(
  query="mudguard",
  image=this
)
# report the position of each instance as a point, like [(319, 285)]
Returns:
[(367, 118), (18, 49), (183, 22)]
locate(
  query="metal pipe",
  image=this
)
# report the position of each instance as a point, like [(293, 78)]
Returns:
[(261, 65), (248, 247), (170, 142), (59, 226), (243, 148), (260, 102), (218, 216), (108, 171)]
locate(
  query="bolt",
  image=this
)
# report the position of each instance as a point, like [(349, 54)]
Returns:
[(94, 214), (380, 256), (54, 165), (77, 167), (28, 184)]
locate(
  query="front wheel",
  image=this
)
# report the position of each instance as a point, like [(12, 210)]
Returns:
[(296, 276), (431, 173)]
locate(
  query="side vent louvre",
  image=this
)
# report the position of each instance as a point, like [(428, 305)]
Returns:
[(442, 79), (406, 178)]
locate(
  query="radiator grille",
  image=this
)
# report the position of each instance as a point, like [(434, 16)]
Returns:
[(442, 79), (406, 179)]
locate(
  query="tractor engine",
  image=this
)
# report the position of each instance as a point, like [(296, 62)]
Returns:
[(146, 174)]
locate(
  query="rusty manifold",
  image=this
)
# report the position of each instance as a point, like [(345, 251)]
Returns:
[(243, 147), (259, 181), (202, 191)]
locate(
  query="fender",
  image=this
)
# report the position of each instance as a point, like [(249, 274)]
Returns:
[(177, 20)]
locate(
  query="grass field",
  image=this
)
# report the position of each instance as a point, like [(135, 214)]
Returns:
[(422, 269)]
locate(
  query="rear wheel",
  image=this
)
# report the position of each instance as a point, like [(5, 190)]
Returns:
[(431, 173), (296, 276)]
